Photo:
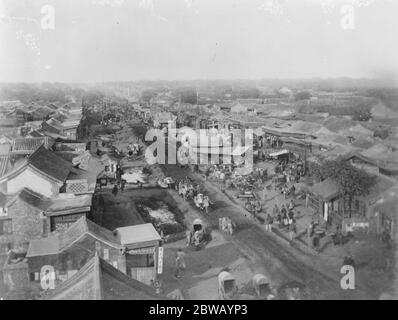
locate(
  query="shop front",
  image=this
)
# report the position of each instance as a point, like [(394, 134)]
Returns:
[(143, 249)]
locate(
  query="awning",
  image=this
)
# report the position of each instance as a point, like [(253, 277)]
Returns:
[(279, 153)]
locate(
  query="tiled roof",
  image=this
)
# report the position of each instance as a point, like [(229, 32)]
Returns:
[(50, 164), (327, 189), (57, 243), (28, 144), (34, 199), (98, 280), (67, 202), (4, 162)]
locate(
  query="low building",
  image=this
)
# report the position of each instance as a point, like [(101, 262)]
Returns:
[(22, 219), (99, 280), (142, 243), (68, 251), (43, 172), (326, 199), (66, 209), (26, 146)]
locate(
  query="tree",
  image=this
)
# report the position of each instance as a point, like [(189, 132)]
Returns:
[(352, 182), (147, 95), (302, 95), (362, 114)]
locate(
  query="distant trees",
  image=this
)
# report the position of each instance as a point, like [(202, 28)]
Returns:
[(382, 133), (148, 94), (302, 95), (352, 182), (362, 114), (189, 95), (389, 96)]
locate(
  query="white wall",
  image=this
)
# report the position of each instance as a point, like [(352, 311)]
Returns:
[(31, 180)]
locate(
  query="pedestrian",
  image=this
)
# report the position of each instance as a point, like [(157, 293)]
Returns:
[(158, 286), (269, 221), (275, 211), (291, 205), (206, 203), (122, 186), (290, 214), (115, 190), (292, 229), (180, 262), (188, 235), (230, 227)]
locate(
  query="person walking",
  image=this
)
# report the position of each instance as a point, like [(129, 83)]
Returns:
[(269, 221), (115, 190), (180, 262), (206, 203), (275, 211), (188, 236), (230, 227), (292, 229)]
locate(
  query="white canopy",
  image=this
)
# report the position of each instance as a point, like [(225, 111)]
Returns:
[(279, 153), (225, 276)]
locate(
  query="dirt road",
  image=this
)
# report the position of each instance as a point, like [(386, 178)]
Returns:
[(274, 257)]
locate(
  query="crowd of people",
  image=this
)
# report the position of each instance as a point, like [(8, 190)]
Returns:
[(189, 191), (284, 217)]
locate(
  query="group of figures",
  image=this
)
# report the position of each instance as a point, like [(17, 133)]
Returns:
[(189, 191)]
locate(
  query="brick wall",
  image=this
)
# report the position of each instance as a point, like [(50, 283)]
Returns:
[(27, 223)]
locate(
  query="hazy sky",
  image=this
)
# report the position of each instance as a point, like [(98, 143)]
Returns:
[(106, 40)]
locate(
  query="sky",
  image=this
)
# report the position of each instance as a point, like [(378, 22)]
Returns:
[(126, 40)]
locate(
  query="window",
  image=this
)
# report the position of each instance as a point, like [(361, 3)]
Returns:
[(5, 247), (3, 211), (106, 254), (5, 226), (140, 261)]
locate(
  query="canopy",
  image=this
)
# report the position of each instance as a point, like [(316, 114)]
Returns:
[(225, 276), (279, 153), (260, 279), (197, 221)]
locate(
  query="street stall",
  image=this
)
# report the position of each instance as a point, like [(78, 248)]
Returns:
[(199, 234), (262, 286), (144, 251), (227, 287)]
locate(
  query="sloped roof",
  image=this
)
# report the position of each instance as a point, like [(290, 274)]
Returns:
[(137, 233), (59, 242), (29, 144), (378, 150), (327, 189), (33, 199), (68, 202), (98, 280), (50, 164), (357, 131)]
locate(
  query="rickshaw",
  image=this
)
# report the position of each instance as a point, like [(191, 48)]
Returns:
[(262, 286), (279, 180), (199, 234), (199, 201), (227, 287), (292, 290), (253, 205), (166, 182)]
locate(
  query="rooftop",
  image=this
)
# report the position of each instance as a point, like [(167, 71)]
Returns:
[(98, 280), (58, 242), (49, 163), (327, 189), (138, 233)]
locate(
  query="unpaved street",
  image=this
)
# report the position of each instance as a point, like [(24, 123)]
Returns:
[(267, 253)]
